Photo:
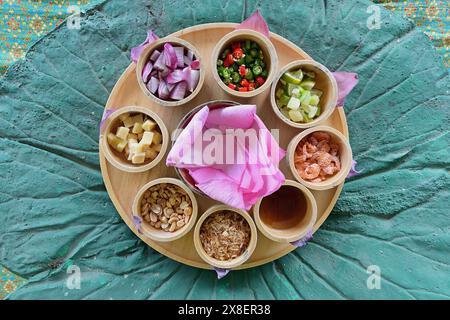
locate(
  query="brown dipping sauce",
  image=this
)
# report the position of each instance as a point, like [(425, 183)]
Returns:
[(283, 209)]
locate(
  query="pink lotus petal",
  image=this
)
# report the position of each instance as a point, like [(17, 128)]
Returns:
[(346, 81), (255, 22), (136, 51), (238, 184)]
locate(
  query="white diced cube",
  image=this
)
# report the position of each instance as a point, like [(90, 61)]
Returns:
[(149, 125), (137, 128), (147, 138), (128, 122), (122, 133), (138, 158), (293, 103)]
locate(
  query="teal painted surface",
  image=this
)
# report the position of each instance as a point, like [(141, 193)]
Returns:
[(56, 212)]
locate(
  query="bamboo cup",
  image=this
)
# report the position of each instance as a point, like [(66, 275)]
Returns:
[(325, 82), (234, 262), (292, 228), (145, 56), (117, 159), (270, 58), (345, 157), (161, 235)]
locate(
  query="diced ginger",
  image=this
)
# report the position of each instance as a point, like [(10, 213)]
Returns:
[(149, 125), (132, 136), (147, 138), (137, 128), (115, 142), (138, 158), (140, 135), (151, 154), (122, 117), (122, 133), (157, 137), (138, 118), (128, 122)]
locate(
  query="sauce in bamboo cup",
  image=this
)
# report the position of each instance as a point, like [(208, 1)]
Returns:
[(344, 154), (229, 264), (287, 214), (268, 49), (158, 234), (145, 56), (118, 159), (325, 82)]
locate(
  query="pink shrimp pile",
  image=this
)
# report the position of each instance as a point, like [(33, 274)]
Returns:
[(317, 157)]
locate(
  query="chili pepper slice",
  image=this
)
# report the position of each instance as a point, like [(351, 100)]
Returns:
[(257, 70), (238, 53), (245, 83), (251, 86), (232, 86), (243, 89), (242, 70), (260, 80), (228, 60)]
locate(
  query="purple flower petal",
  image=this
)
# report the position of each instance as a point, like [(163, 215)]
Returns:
[(303, 241), (353, 171), (221, 272), (136, 51), (105, 116), (255, 22), (346, 81), (137, 221)]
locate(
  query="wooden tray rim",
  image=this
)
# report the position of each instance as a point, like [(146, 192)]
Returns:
[(154, 245)]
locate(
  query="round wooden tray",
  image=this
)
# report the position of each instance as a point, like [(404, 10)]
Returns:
[(122, 187)]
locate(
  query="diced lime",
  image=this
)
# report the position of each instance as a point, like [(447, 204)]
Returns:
[(314, 100), (298, 74), (284, 100), (318, 111), (295, 116), (290, 78), (308, 84), (312, 111), (291, 87), (304, 99), (305, 116), (294, 103)]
